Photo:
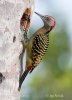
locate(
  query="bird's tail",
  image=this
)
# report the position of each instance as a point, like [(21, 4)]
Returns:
[(22, 78)]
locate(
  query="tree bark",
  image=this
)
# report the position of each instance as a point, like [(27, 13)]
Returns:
[(10, 46)]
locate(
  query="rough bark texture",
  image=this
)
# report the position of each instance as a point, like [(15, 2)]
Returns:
[(10, 46)]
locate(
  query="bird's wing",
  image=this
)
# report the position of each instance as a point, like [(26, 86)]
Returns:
[(39, 47)]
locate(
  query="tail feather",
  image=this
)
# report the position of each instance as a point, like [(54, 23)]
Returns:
[(22, 78)]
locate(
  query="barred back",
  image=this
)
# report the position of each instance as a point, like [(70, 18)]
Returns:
[(39, 48)]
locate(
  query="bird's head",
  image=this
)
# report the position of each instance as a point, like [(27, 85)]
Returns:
[(49, 21)]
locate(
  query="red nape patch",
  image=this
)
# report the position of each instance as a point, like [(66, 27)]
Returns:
[(51, 17), (29, 68)]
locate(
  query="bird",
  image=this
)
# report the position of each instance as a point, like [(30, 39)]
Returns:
[(37, 46)]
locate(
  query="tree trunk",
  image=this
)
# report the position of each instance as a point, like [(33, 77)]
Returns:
[(10, 46)]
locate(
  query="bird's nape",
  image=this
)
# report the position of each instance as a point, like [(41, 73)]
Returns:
[(52, 20)]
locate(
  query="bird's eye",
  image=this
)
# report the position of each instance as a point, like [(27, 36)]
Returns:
[(48, 18)]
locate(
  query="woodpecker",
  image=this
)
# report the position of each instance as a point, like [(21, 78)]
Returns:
[(37, 46)]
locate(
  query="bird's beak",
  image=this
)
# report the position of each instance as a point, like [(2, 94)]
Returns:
[(46, 23), (39, 15)]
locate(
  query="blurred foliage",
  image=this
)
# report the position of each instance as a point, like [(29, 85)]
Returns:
[(55, 77)]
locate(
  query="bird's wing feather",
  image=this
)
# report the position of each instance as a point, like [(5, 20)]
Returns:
[(39, 47)]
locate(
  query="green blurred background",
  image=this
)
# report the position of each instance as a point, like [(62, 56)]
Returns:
[(52, 79)]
